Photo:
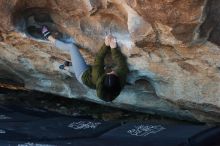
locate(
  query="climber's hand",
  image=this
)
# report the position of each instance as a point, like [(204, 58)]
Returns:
[(108, 39), (113, 42), (45, 32)]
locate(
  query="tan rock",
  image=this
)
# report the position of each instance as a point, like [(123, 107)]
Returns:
[(172, 52)]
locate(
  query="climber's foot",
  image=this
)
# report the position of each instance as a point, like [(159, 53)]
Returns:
[(45, 32), (65, 65), (38, 32), (65, 38)]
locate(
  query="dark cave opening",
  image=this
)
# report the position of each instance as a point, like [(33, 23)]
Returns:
[(9, 79), (210, 29), (30, 21)]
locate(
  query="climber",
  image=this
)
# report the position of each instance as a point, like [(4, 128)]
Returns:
[(108, 85)]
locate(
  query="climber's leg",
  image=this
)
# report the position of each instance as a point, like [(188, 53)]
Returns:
[(79, 65), (63, 46)]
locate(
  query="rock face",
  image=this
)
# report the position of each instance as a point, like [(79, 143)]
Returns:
[(171, 47)]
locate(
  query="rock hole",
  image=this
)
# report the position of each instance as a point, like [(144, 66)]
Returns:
[(30, 21), (144, 84), (210, 29)]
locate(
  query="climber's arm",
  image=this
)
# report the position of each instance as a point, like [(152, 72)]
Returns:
[(120, 60), (98, 67)]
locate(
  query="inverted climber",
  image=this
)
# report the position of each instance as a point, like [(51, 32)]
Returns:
[(108, 84)]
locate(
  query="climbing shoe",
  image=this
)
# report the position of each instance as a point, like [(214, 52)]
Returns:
[(93, 11), (62, 66), (45, 32), (65, 64)]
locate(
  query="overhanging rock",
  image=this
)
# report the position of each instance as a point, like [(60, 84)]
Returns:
[(172, 72)]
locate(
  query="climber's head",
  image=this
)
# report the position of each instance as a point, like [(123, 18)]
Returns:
[(111, 87)]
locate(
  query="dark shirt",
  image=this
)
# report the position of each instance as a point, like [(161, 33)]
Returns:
[(94, 76)]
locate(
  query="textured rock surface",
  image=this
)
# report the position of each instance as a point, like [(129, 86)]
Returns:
[(171, 46)]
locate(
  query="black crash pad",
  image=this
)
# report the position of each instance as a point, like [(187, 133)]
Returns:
[(60, 128), (29, 126), (16, 117), (155, 134)]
